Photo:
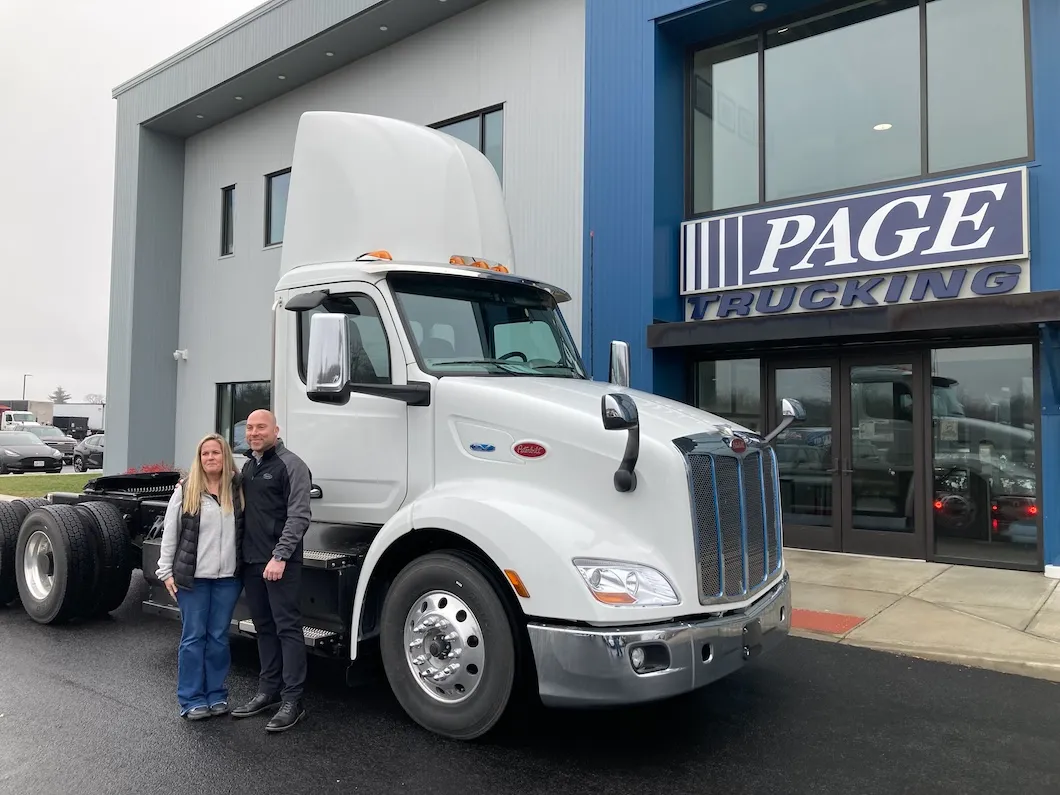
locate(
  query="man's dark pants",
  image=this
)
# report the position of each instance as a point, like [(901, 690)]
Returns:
[(275, 609)]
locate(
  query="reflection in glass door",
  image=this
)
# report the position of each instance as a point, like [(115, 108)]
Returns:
[(880, 457), (806, 457)]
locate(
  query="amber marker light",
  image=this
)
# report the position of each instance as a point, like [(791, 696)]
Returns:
[(517, 583)]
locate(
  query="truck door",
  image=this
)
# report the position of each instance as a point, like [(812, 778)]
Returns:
[(357, 451)]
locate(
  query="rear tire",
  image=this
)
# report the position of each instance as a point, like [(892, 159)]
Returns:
[(110, 543), (26, 504), (9, 524), (457, 590), (54, 564)]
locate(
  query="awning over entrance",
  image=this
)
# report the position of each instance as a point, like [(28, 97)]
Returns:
[(997, 316)]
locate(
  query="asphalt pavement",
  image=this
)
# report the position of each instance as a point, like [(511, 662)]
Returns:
[(90, 709)]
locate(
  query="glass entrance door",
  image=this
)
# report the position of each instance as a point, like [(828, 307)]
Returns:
[(851, 473)]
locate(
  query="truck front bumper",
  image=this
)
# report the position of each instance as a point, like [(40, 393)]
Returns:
[(594, 667)]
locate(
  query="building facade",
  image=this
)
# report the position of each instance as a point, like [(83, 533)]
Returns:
[(846, 203), (853, 204)]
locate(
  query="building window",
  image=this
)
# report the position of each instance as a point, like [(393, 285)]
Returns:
[(227, 220), (276, 187), (868, 94), (483, 130), (732, 389), (235, 402), (984, 413), (369, 347)]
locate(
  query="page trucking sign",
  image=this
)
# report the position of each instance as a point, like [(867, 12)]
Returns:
[(937, 240)]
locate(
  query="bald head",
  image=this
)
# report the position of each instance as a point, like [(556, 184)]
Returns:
[(262, 430)]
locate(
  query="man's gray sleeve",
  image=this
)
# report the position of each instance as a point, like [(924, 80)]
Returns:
[(299, 512)]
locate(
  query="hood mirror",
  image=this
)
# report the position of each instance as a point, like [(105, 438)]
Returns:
[(791, 411), (619, 413)]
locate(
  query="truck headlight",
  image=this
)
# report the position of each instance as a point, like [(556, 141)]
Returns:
[(626, 584)]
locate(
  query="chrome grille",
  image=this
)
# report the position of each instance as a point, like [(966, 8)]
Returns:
[(735, 514)]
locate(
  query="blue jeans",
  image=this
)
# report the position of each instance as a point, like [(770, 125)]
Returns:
[(204, 657)]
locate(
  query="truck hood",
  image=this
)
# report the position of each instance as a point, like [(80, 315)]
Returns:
[(530, 400)]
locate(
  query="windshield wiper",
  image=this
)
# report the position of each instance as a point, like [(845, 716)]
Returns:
[(498, 362)]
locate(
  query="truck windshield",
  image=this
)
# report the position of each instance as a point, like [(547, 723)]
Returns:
[(479, 326), (45, 430), (21, 416)]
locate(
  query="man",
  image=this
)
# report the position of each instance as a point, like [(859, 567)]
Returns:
[(276, 484)]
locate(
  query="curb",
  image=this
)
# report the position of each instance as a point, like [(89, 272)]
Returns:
[(1036, 669)]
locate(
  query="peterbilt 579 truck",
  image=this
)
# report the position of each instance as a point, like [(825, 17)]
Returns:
[(485, 515)]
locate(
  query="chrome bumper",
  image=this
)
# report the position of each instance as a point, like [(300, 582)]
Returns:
[(586, 668)]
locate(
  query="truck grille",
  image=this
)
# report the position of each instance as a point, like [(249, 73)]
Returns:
[(735, 517)]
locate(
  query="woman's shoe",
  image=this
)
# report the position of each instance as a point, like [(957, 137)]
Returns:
[(220, 708), (198, 713)]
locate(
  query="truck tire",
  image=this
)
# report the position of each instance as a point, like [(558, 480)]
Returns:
[(54, 564), (110, 542), (442, 618), (8, 541), (26, 504)]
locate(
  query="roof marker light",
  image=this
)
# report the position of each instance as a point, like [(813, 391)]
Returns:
[(380, 254)]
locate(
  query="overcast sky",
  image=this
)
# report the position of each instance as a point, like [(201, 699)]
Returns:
[(59, 62)]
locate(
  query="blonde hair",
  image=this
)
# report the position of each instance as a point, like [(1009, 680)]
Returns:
[(195, 484)]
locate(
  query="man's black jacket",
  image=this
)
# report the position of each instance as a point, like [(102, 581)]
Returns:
[(277, 510)]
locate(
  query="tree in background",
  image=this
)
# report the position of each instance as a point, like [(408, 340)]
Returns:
[(60, 395), (94, 397)]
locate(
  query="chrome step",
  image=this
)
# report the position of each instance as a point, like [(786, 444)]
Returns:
[(314, 636), (315, 559)]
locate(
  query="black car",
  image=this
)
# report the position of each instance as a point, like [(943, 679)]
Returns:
[(22, 451), (89, 453), (55, 439)]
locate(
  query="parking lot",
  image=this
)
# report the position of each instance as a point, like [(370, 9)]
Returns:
[(90, 709)]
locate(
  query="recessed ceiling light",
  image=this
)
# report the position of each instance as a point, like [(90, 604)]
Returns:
[(882, 127), (282, 77), (239, 99), (382, 27), (758, 8), (329, 53), (198, 115)]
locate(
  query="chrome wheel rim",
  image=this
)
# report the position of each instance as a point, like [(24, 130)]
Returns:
[(444, 647), (39, 566)]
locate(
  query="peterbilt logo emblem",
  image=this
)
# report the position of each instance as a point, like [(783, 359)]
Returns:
[(736, 444)]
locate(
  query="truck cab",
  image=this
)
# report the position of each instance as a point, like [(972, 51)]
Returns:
[(488, 522)]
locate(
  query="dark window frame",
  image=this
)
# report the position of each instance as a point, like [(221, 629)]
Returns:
[(225, 393), (268, 207), (228, 220), (760, 32), (481, 114)]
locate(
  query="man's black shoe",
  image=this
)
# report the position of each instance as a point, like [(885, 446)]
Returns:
[(286, 717), (255, 706)]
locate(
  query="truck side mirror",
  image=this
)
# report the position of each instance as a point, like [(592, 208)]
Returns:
[(328, 365), (618, 368), (791, 411), (619, 413)]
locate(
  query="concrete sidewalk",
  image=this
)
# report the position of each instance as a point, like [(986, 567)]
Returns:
[(986, 618)]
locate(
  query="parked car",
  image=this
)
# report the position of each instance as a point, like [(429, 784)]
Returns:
[(55, 439), (88, 454), (22, 451)]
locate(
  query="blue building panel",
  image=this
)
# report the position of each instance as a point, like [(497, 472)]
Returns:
[(637, 54)]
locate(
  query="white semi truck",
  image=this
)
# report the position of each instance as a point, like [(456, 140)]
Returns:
[(485, 516)]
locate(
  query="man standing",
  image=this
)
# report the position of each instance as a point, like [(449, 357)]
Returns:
[(276, 485)]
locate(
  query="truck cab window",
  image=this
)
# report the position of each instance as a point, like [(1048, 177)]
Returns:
[(369, 347), (485, 327)]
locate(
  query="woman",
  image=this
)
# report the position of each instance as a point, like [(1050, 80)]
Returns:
[(200, 566)]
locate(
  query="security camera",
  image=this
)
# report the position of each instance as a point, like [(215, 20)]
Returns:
[(181, 354)]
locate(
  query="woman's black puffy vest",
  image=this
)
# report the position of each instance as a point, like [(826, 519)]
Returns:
[(187, 554)]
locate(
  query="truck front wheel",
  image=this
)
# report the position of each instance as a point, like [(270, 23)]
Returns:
[(447, 646)]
